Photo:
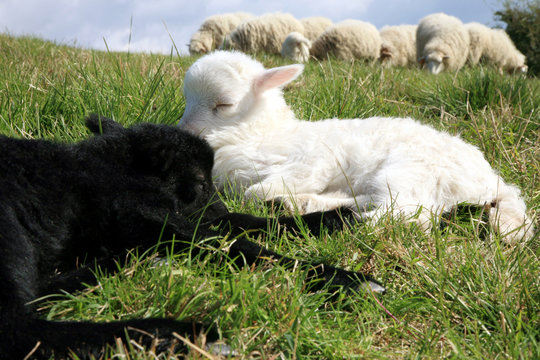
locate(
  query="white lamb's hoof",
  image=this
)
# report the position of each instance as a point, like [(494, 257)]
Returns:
[(374, 287), (220, 349)]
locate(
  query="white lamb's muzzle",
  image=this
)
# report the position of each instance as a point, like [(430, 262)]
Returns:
[(187, 122)]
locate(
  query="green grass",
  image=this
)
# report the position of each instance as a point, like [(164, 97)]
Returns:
[(452, 293)]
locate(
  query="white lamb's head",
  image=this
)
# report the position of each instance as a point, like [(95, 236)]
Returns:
[(226, 88)]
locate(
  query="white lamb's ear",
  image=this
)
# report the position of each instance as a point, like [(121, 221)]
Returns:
[(277, 77)]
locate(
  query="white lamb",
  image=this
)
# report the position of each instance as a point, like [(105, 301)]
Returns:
[(296, 47), (212, 31), (398, 47), (442, 43), (348, 40), (495, 47), (265, 33), (314, 26), (373, 165)]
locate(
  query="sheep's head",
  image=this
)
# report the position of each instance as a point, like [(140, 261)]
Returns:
[(516, 64), (180, 162), (385, 55), (296, 47), (201, 42), (226, 88), (435, 62)]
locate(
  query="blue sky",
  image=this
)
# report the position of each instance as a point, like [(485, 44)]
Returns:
[(92, 23)]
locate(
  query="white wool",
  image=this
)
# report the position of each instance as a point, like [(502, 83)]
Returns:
[(442, 43), (296, 47), (504, 54), (480, 40), (495, 47), (348, 40), (398, 47), (265, 33), (212, 31), (372, 165), (315, 26)]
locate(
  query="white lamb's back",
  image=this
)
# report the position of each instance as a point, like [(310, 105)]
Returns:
[(304, 156)]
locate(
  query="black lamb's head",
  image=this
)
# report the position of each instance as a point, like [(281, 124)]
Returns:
[(182, 162)]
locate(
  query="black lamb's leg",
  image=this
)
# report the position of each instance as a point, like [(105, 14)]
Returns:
[(88, 339), (245, 251), (74, 280), (333, 220)]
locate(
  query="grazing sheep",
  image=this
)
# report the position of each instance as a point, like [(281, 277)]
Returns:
[(314, 26), (398, 45), (504, 54), (95, 200), (480, 40), (263, 34), (495, 47), (212, 31), (372, 165), (442, 43), (296, 47), (348, 40)]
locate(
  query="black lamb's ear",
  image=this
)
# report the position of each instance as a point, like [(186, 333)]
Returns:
[(100, 125)]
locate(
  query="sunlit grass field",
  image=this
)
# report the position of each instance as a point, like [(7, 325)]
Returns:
[(452, 293)]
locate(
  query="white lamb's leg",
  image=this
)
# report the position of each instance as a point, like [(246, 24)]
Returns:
[(295, 195), (509, 216), (399, 207), (308, 203)]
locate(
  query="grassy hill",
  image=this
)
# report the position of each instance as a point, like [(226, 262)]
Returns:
[(453, 293)]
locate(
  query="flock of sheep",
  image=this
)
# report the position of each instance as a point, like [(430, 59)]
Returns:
[(439, 41)]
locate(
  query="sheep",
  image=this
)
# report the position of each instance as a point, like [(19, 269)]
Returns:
[(263, 34), (442, 43), (348, 40), (398, 45), (495, 47), (480, 40), (504, 54), (314, 26), (372, 165), (296, 47), (92, 201), (212, 31)]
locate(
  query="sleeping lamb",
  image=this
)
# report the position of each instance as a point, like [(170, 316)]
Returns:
[(372, 165), (93, 201)]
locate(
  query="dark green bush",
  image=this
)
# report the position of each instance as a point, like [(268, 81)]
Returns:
[(522, 18)]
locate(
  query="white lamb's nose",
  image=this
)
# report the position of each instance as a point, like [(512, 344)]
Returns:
[(187, 123)]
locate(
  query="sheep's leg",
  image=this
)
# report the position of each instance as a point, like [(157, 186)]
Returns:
[(308, 203), (400, 208), (244, 251), (236, 223), (76, 279)]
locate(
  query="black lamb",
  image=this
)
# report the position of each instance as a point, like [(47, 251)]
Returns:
[(61, 204)]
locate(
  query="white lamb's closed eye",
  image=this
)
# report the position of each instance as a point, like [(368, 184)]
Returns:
[(222, 107)]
